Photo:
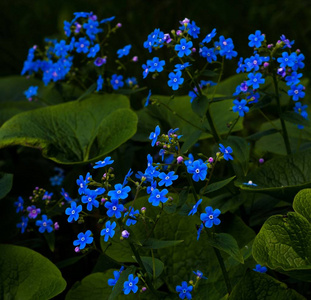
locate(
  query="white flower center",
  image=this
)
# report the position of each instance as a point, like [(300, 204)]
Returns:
[(255, 79), (158, 196), (197, 171), (211, 217), (296, 92), (114, 208), (175, 79), (44, 224), (183, 47), (82, 239), (73, 212), (167, 178), (119, 192), (89, 199)]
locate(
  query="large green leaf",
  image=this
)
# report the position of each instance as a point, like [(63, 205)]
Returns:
[(257, 286), (73, 132), (26, 274), (215, 186), (6, 181), (302, 203), (284, 244), (283, 176)]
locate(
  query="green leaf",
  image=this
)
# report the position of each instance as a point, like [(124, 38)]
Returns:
[(69, 261), (257, 286), (302, 203), (74, 132), (190, 141), (200, 105), (226, 243), (160, 244), (295, 118), (26, 274), (216, 186), (283, 176), (258, 135), (284, 244), (50, 239), (6, 182), (148, 263)]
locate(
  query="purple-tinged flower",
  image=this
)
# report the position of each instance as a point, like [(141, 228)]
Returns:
[(125, 234), (130, 285), (22, 225), (226, 151), (73, 212), (19, 204), (99, 61), (195, 208), (260, 269), (108, 231), (33, 211), (83, 239), (66, 195), (297, 91), (157, 197), (184, 48), (199, 274), (167, 179), (210, 217), (45, 224), (256, 39), (114, 209), (103, 163), (184, 290)]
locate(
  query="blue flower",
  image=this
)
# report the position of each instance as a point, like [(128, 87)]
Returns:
[(253, 63), (260, 269), (107, 20), (241, 66), (92, 28), (193, 30), (108, 231), (190, 160), (61, 49), (131, 214), (286, 60), (66, 195), (211, 217), (286, 41), (89, 198), (226, 47), (298, 64), (57, 180), (155, 64), (23, 224), (181, 67), (116, 81), (226, 151), (154, 135), (131, 81), (124, 51), (301, 109), (148, 99), (99, 61), (240, 106), (146, 70), (184, 48), (175, 80), (167, 179), (296, 91), (293, 78), (157, 197), (103, 163), (152, 186), (199, 274), (83, 183), (256, 39), (114, 209), (82, 45), (198, 169), (93, 51), (208, 53), (255, 80), (45, 224), (100, 82), (73, 212), (155, 40), (19, 204), (116, 274), (67, 28), (184, 290), (47, 196), (83, 239), (199, 231), (32, 91), (250, 183), (130, 285), (209, 37), (195, 208), (129, 174), (119, 192)]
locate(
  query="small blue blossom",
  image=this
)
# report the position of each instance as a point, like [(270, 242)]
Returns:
[(199, 274), (155, 40), (131, 81), (146, 70), (67, 28), (250, 183), (298, 64), (90, 199), (286, 60), (116, 81), (208, 53), (91, 28), (260, 269), (100, 82), (107, 20), (129, 174), (253, 63), (193, 30), (93, 51), (119, 192), (73, 212), (148, 99), (184, 48), (19, 204), (195, 208), (130, 285), (124, 51), (226, 151), (45, 224), (23, 224), (181, 67), (32, 91), (83, 183), (198, 169), (286, 41), (240, 106), (131, 214), (199, 231), (154, 135), (256, 39), (108, 231), (157, 197), (152, 186), (83, 239), (210, 217), (184, 290), (103, 163), (190, 160), (65, 195), (209, 37), (301, 109), (114, 208), (116, 274), (175, 80), (156, 65), (297, 91), (255, 80), (226, 47), (82, 45), (57, 180), (167, 179), (61, 49), (293, 78), (47, 196)]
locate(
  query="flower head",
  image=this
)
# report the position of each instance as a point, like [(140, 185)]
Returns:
[(198, 169), (260, 269), (240, 107), (175, 80), (210, 217), (296, 91), (108, 231), (132, 219), (116, 274), (154, 135), (184, 48), (209, 37), (90, 199), (100, 82), (130, 285), (83, 239), (33, 211), (255, 80), (114, 208), (19, 204), (167, 179), (226, 151), (45, 224), (156, 65), (157, 197), (116, 81), (195, 208), (32, 91), (199, 274), (256, 39), (119, 192), (124, 51), (73, 212), (103, 163), (22, 225), (184, 290)]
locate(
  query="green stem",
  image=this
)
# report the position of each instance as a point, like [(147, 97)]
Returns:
[(232, 126), (193, 188), (223, 270), (284, 130)]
